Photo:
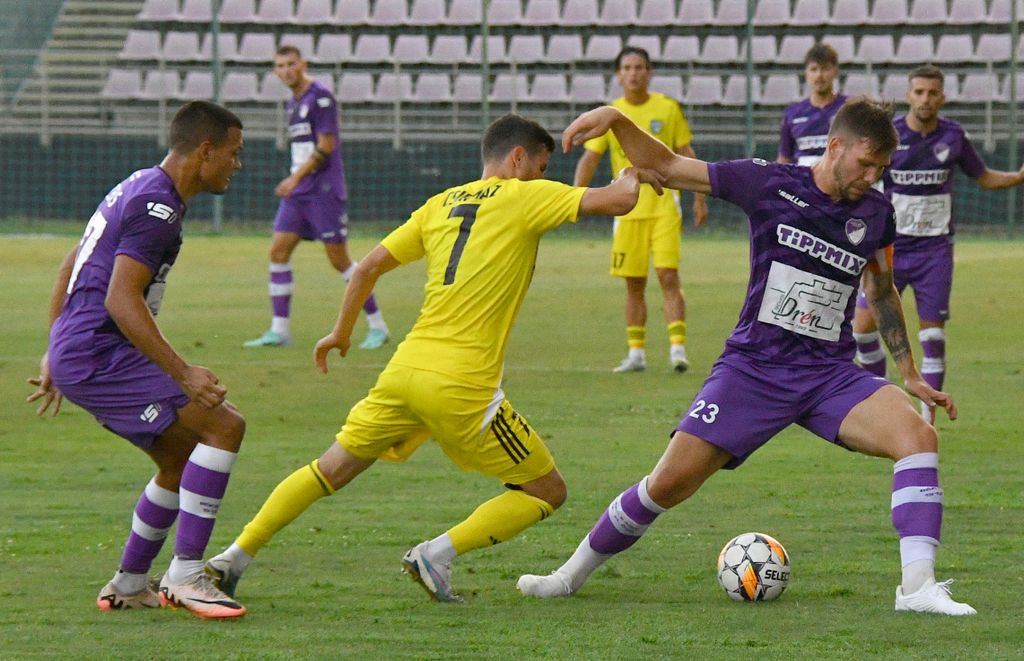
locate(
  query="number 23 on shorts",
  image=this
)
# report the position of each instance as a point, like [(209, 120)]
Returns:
[(704, 411)]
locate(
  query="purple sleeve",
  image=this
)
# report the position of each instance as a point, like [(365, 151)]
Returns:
[(889, 235), (738, 182), (970, 161), (786, 145), (146, 236), (324, 115)]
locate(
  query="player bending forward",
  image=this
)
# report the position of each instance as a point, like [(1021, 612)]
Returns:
[(444, 381), (814, 232)]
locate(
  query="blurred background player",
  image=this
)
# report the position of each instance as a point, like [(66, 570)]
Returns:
[(653, 227), (805, 124), (919, 183), (107, 355), (444, 381), (814, 233), (313, 199)]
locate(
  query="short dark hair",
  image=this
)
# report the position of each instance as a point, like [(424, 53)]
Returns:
[(867, 119), (822, 54), (632, 50), (288, 49), (929, 71), (511, 131), (200, 121)]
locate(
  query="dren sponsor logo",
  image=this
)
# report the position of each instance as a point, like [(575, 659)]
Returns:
[(804, 303), (919, 177), (820, 250)]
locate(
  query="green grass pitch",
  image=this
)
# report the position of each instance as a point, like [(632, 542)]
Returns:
[(330, 586)]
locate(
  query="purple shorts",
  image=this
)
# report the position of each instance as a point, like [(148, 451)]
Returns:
[(929, 274), (129, 395), (742, 405), (322, 218)]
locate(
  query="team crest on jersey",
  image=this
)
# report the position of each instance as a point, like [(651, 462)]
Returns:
[(303, 111), (941, 151), (855, 230), (657, 125)]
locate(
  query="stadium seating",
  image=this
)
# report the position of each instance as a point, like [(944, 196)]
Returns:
[(703, 90), (526, 48), (720, 49), (810, 13), (432, 88), (466, 88), (504, 12), (656, 13), (181, 46), (859, 84), (681, 49), (649, 42), (763, 49), (915, 48), (332, 47), (449, 49), (196, 11), (542, 13), (549, 88), (876, 48), (371, 48), (731, 13), (411, 49), (355, 87), (780, 89), (141, 45), (929, 12), (602, 48), (579, 13), (965, 12), (510, 88), (197, 85), (239, 87), (999, 12), (464, 12), (993, 47), (954, 48), (889, 12), (237, 11), (122, 84), (301, 40), (772, 12), (274, 12), (793, 48), (393, 87), (588, 88), (696, 12), (735, 93), (670, 86), (564, 48), (272, 90), (227, 47), (894, 87), (618, 13), (979, 88), (849, 12), (427, 12), (351, 12), (495, 48), (155, 11), (312, 12), (160, 85), (256, 47)]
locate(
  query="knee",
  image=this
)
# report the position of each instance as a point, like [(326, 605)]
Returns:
[(280, 254), (669, 279), (668, 489), (228, 431), (557, 494), (919, 437)]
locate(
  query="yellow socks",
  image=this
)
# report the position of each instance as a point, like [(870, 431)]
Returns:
[(498, 520), (636, 337), (677, 332), (288, 500)]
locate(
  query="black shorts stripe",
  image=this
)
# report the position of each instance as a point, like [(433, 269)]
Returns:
[(506, 442), (500, 419)]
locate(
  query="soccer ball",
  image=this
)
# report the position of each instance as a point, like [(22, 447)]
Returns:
[(753, 567)]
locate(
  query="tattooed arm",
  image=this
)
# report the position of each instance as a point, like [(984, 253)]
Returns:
[(885, 304)]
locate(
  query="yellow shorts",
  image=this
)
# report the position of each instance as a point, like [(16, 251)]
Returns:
[(407, 406), (634, 240)]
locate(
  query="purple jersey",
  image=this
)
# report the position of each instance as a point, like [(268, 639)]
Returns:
[(806, 256), (805, 130), (919, 182), (141, 218), (313, 114)]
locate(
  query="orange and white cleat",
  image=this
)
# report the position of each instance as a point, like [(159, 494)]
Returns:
[(199, 595)]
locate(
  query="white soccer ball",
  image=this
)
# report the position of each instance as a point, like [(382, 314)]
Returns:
[(753, 567)]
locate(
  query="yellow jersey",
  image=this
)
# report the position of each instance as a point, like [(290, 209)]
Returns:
[(480, 240), (662, 118)]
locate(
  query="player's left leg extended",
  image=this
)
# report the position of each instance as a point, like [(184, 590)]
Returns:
[(886, 425)]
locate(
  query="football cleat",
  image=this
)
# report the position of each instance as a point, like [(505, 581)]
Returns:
[(631, 364), (375, 339), (111, 599), (269, 339), (677, 356), (436, 578), (225, 578), (555, 584), (200, 596), (932, 597)]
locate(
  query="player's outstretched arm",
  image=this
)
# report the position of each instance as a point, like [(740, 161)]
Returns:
[(641, 149), (998, 180), (621, 195), (45, 389), (884, 301), (378, 262)]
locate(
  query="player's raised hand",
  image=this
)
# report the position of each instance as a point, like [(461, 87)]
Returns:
[(202, 386), (700, 209), (652, 177), (590, 124), (932, 397), (45, 389), (326, 345)]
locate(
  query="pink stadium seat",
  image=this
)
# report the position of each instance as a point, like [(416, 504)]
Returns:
[(526, 48), (618, 13), (681, 48), (843, 44), (849, 12), (549, 88), (764, 49), (780, 90), (720, 48), (736, 90), (227, 47), (588, 88), (411, 49), (1004, 92), (670, 86), (196, 11), (239, 86), (696, 12), (333, 47), (256, 47), (156, 11), (889, 12), (810, 12), (649, 42), (393, 87), (579, 12), (160, 85), (966, 12), (702, 90), (894, 87), (860, 84), (542, 12), (466, 88), (122, 84), (979, 88), (272, 90), (427, 13), (656, 13), (772, 12), (312, 12), (449, 49), (564, 48), (954, 48), (387, 13), (197, 85), (509, 88), (432, 88), (465, 12), (505, 12), (301, 40), (352, 12), (141, 45), (876, 48), (993, 48), (793, 48), (238, 11), (915, 48), (495, 49), (181, 46), (731, 12), (324, 78), (355, 87), (999, 12), (602, 48), (928, 12), (275, 12), (372, 48)]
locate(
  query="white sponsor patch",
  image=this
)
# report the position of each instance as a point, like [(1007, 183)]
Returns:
[(807, 160), (922, 215), (323, 102), (804, 303), (301, 151)]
